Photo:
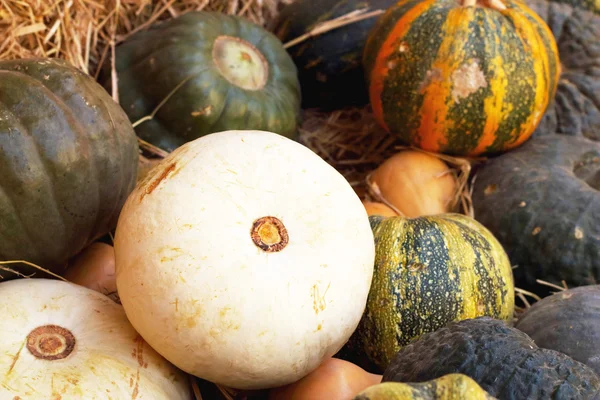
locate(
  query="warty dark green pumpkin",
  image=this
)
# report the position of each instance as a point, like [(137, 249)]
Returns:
[(209, 72), (568, 322), (575, 110), (428, 272), (504, 361), (68, 161), (542, 202), (330, 64)]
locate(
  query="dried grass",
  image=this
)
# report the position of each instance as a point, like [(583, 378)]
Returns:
[(82, 31)]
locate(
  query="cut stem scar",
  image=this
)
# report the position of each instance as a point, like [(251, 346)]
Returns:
[(269, 234)]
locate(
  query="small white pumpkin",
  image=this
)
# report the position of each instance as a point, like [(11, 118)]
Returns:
[(64, 341), (244, 259)]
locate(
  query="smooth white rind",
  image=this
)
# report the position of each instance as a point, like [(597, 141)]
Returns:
[(204, 296), (109, 361)]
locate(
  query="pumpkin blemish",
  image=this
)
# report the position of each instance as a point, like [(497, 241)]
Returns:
[(154, 184)]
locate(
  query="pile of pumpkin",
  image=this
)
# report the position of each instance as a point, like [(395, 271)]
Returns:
[(244, 259)]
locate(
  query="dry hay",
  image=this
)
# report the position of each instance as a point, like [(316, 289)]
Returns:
[(81, 31)]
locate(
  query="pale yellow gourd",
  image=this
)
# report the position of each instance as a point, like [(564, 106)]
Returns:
[(64, 341), (415, 184), (245, 259)]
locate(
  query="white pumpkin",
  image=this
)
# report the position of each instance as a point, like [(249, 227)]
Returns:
[(64, 341), (245, 259)]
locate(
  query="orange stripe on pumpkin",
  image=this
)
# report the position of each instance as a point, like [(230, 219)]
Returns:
[(534, 45), (390, 46), (438, 85)]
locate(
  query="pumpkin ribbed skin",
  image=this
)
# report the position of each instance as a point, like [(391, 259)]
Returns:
[(590, 5), (575, 110), (447, 387), (429, 271), (568, 322), (329, 65), (460, 80), (542, 202), (151, 64), (68, 161)]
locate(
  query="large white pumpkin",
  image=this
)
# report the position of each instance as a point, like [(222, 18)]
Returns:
[(61, 341), (244, 259)]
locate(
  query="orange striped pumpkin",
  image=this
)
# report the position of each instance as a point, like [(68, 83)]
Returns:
[(462, 77)]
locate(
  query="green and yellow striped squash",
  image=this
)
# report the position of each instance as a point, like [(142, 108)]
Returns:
[(447, 387), (429, 271), (458, 79)]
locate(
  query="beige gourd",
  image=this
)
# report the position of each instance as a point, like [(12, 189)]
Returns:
[(64, 341), (244, 259)]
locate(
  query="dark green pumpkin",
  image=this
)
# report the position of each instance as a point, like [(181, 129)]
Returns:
[(576, 107), (68, 161), (568, 322), (542, 202), (429, 271), (589, 5), (502, 360), (448, 387), (329, 65), (213, 72)]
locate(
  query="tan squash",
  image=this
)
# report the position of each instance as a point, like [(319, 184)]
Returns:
[(415, 184), (377, 208), (335, 379), (94, 268)]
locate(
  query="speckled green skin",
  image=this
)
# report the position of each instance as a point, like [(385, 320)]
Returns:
[(68, 161), (151, 64), (429, 271), (576, 107), (542, 202), (329, 65), (448, 387), (426, 114), (568, 322), (502, 360)]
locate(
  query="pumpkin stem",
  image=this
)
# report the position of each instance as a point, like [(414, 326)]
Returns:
[(497, 5), (50, 342), (269, 234)]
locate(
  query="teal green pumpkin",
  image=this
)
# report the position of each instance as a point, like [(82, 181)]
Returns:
[(68, 161), (208, 72), (429, 271)]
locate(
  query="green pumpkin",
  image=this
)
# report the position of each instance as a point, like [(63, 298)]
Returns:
[(429, 271), (568, 322), (542, 202), (329, 65), (575, 110), (447, 387), (504, 361), (212, 72), (68, 161)]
